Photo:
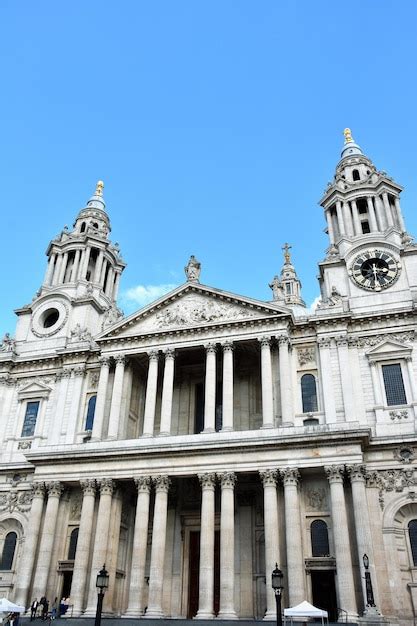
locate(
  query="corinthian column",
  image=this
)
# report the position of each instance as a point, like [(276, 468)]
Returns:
[(159, 531), (27, 558), (150, 400), (167, 392), (327, 380), (266, 384), (54, 490), (101, 541), (82, 553), (295, 561), (116, 400), (344, 578), (285, 381), (140, 540), (227, 547), (346, 378), (206, 583), (227, 422), (210, 390), (269, 479), (97, 432)]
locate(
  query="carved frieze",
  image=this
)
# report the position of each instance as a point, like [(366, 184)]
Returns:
[(306, 356), (195, 310), (75, 507), (399, 415), (16, 500), (316, 499), (376, 339)]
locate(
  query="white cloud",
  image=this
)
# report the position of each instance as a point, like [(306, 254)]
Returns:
[(313, 305), (139, 296)]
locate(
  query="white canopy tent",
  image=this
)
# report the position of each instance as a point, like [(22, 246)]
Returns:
[(8, 607), (305, 610)]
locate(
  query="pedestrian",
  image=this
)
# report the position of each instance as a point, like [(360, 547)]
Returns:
[(45, 608), (54, 608), (33, 609)]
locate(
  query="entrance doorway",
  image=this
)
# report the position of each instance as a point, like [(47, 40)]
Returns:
[(66, 584), (324, 592), (194, 573)]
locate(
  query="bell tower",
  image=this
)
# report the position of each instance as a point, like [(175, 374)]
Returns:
[(369, 245), (78, 295)]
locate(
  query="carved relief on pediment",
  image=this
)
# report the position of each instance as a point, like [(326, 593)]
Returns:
[(195, 310)]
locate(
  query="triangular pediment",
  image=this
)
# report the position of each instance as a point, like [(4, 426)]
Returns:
[(387, 349), (192, 306), (34, 389)]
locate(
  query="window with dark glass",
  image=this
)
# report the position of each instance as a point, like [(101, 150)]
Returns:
[(319, 538), (89, 421), (412, 533), (73, 544), (29, 422), (394, 384), (309, 393), (355, 175), (9, 548)]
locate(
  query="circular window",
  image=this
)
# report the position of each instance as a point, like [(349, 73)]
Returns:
[(50, 317)]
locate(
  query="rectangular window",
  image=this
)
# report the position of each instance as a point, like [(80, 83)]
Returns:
[(29, 423), (394, 385)]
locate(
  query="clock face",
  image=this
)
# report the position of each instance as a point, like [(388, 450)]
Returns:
[(374, 270)]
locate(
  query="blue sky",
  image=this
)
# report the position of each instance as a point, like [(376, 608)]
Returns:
[(215, 126)]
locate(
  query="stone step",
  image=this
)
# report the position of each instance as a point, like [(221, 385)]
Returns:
[(118, 621)]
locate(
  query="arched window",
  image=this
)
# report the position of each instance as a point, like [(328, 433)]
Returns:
[(73, 544), (309, 393), (90, 413), (82, 229), (319, 538), (9, 548), (412, 532), (355, 175)]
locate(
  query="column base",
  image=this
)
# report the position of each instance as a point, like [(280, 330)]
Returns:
[(267, 426), (164, 434), (204, 615), (227, 615), (227, 429), (146, 435), (270, 616), (154, 613), (132, 613), (207, 431)]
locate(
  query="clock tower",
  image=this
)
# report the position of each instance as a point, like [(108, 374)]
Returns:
[(371, 263)]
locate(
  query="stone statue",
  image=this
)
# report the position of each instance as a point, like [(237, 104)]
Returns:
[(193, 269), (335, 297), (277, 289), (8, 344)]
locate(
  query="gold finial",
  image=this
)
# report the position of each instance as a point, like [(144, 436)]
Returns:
[(286, 249), (348, 135), (99, 188)]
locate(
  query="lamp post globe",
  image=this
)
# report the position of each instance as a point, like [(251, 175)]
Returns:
[(276, 579), (102, 583)]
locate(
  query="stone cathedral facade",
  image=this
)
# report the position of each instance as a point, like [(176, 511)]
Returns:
[(193, 445)]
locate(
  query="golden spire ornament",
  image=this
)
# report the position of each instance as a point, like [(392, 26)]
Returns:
[(348, 135), (286, 249), (99, 188)]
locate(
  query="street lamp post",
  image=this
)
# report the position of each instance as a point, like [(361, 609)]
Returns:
[(102, 583), (277, 578), (370, 600)]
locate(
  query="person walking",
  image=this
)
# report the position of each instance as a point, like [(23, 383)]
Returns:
[(33, 609)]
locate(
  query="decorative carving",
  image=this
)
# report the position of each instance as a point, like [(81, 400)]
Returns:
[(193, 270), (269, 477), (265, 342), (373, 480), (94, 378), (290, 476), (54, 489), (143, 484), (88, 486), (399, 415), (21, 501), (324, 342), (316, 499), (8, 344), (111, 316), (397, 480), (334, 473), (306, 355), (104, 361), (161, 482), (106, 486), (342, 341), (283, 340), (24, 445), (75, 508), (376, 339), (120, 359), (335, 299), (192, 310), (169, 353), (228, 346), (356, 472), (207, 481), (153, 355), (404, 454), (78, 333), (277, 290), (227, 480), (211, 348), (79, 370)]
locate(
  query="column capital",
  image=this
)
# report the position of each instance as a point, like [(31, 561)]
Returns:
[(169, 353), (409, 358), (207, 481), (265, 341), (143, 484), (161, 482), (283, 339), (373, 480), (38, 489), (227, 480), (153, 355), (54, 489), (79, 370), (342, 341), (290, 476), (106, 486), (269, 477), (324, 342), (334, 473), (356, 472), (104, 361), (120, 359), (88, 486), (228, 346), (210, 348)]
